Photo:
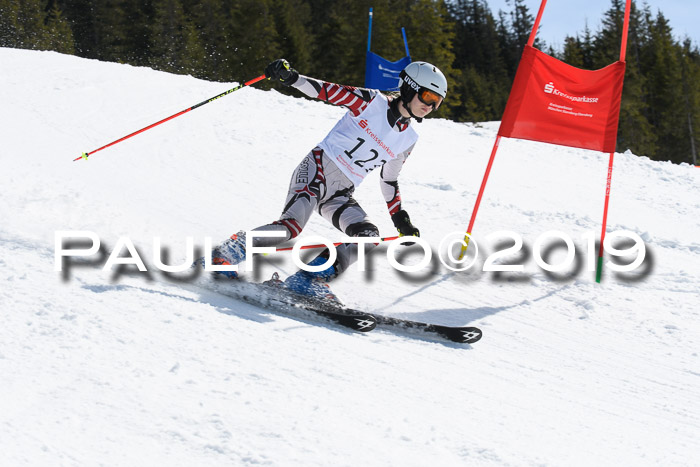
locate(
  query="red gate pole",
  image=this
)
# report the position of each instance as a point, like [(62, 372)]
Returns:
[(467, 236), (601, 250), (536, 26)]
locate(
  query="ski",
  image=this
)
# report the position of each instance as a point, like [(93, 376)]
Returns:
[(275, 297), (362, 321), (353, 319), (270, 295), (329, 309), (357, 321), (460, 334)]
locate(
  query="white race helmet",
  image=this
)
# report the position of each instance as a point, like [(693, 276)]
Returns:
[(419, 75)]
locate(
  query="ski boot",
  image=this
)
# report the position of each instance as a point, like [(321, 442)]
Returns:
[(230, 252), (313, 284)]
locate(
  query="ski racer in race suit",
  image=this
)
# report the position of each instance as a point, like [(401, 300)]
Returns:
[(376, 132)]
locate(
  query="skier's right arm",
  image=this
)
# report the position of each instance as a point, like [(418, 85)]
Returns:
[(350, 97)]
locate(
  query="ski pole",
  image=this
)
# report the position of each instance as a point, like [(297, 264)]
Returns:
[(312, 247), (247, 83)]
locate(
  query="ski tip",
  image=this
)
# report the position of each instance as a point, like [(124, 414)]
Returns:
[(472, 335), (364, 323), (462, 335), (468, 335)]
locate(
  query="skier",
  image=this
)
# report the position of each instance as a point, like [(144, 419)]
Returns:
[(375, 132)]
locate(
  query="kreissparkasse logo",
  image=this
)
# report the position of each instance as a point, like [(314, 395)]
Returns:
[(550, 89)]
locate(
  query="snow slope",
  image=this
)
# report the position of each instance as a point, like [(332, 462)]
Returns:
[(132, 369)]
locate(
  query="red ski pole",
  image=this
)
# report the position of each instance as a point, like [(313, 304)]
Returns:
[(312, 247), (247, 83)]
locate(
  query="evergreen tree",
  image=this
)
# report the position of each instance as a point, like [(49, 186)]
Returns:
[(110, 34), (635, 129), (10, 29), (139, 20), (174, 44), (59, 36), (253, 39), (238, 37), (342, 39), (514, 31), (666, 97), (294, 36), (483, 81), (430, 23), (80, 16), (120, 30), (578, 51), (635, 132), (521, 23), (29, 24), (212, 24), (34, 24), (608, 39), (587, 48), (573, 52), (476, 38), (321, 33), (690, 58)]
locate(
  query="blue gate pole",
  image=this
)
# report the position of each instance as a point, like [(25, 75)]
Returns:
[(405, 42), (369, 33)]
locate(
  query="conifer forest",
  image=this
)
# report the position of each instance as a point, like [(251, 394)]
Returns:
[(477, 49)]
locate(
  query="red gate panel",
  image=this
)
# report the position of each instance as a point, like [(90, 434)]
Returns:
[(557, 103)]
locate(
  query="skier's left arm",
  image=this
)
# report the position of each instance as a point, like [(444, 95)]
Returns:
[(389, 183)]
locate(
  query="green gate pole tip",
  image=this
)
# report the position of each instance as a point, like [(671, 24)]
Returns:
[(599, 272)]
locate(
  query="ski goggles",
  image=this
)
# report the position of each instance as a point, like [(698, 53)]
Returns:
[(430, 98)]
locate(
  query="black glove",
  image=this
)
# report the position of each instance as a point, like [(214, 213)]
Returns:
[(403, 224), (279, 70)]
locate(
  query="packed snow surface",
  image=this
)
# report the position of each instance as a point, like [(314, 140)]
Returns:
[(118, 367)]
